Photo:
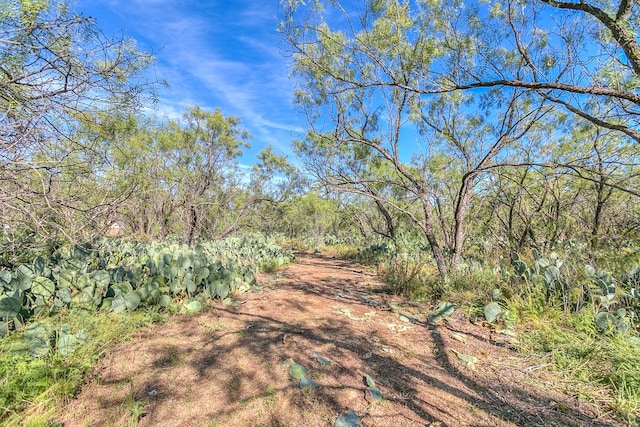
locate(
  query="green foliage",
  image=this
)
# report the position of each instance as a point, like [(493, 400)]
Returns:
[(321, 360), (56, 63), (609, 364), (373, 254), (309, 216), (492, 311), (616, 307), (307, 383), (374, 392), (124, 276), (348, 420), (297, 371), (498, 314), (69, 302), (67, 347), (588, 327), (442, 312)]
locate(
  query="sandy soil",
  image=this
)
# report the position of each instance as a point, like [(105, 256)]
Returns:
[(229, 366)]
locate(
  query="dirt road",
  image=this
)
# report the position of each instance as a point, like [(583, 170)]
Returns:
[(230, 366)]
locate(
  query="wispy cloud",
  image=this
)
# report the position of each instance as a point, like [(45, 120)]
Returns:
[(215, 54)]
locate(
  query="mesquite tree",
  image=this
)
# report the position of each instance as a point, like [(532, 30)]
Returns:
[(57, 71), (445, 93)]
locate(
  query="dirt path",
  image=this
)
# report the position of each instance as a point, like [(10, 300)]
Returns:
[(226, 366)]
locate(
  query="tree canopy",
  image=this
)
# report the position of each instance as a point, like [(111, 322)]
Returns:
[(444, 92)]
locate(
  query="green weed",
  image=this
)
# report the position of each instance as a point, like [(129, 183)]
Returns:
[(596, 365), (32, 386)]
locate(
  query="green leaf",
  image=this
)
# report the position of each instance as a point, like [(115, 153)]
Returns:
[(551, 273), (64, 295), (193, 306), (22, 281), (469, 360), (589, 270), (37, 337), (321, 360), (542, 262), (189, 284), (101, 278), (117, 274), (84, 281), (406, 319), (622, 326), (459, 337), (376, 394), (166, 258), (43, 287), (349, 420), (5, 278), (118, 304), (201, 274), (25, 270), (39, 266), (143, 291), (520, 268), (492, 312), (307, 383), (164, 300), (444, 310), (605, 321), (231, 302), (186, 263), (121, 288), (167, 272), (9, 307), (132, 300), (67, 342), (297, 371), (222, 290), (370, 382), (65, 279)]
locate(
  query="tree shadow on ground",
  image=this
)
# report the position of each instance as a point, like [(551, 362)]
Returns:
[(228, 364), (399, 379)]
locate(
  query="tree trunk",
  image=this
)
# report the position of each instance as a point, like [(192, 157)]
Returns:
[(462, 206), (388, 220), (427, 229), (191, 224)]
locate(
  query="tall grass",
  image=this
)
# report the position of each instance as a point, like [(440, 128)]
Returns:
[(602, 368), (31, 387)]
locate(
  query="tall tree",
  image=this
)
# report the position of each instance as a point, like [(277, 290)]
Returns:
[(183, 175), (368, 88), (56, 71), (464, 88), (207, 147)]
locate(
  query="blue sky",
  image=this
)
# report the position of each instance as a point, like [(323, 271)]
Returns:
[(217, 54)]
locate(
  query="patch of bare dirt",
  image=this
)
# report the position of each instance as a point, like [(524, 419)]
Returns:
[(226, 366)]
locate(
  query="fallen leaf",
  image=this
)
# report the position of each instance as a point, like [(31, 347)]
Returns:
[(459, 337), (469, 360)]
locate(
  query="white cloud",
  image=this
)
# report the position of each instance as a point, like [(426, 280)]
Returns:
[(232, 62)]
